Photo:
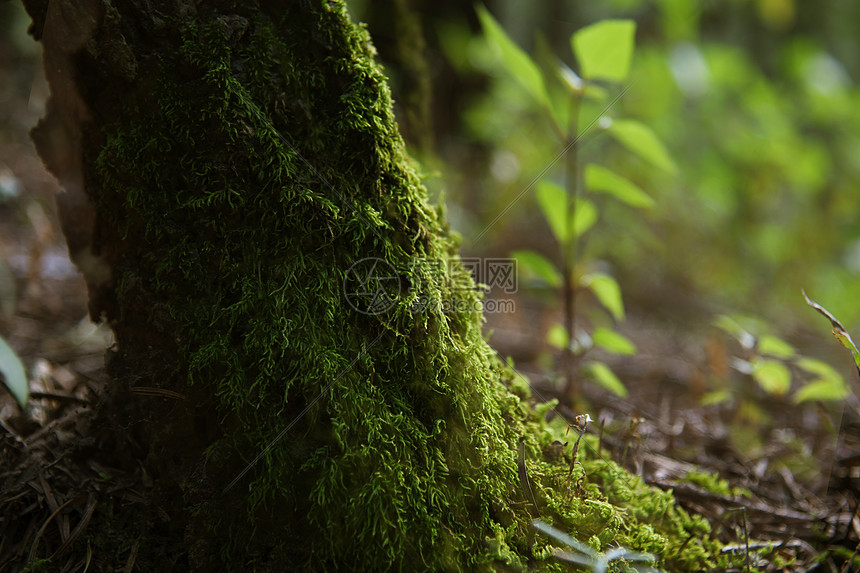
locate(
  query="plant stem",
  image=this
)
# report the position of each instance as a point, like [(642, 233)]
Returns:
[(569, 255)]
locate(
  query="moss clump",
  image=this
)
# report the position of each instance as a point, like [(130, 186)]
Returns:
[(239, 173), (39, 566), (713, 483)]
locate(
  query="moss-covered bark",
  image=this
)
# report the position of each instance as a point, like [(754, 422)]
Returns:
[(239, 159)]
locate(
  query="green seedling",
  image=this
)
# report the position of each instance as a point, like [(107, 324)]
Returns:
[(567, 100), (838, 331), (774, 363)]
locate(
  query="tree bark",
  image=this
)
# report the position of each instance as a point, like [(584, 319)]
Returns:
[(225, 165), (298, 348)]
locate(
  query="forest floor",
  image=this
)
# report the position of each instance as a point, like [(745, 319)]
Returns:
[(788, 476)]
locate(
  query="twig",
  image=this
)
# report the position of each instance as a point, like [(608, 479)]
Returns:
[(850, 560), (59, 397), (42, 529), (82, 525), (132, 556)]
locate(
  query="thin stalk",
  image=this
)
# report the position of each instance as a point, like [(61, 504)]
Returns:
[(569, 254)]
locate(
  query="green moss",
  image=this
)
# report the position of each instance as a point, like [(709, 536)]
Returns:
[(39, 566), (245, 174), (713, 483)]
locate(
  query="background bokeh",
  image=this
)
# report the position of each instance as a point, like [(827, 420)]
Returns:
[(756, 102)]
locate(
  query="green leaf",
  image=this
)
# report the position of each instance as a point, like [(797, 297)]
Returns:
[(773, 346), (13, 372), (595, 93), (553, 199), (604, 49), (607, 291), (827, 383), (818, 368), (772, 375), (612, 341), (733, 328), (568, 77), (638, 138), (822, 390), (715, 397), (557, 336), (845, 338), (838, 330), (606, 378), (599, 179), (584, 216), (515, 60), (531, 263)]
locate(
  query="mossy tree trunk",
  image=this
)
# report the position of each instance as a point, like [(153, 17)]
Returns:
[(230, 168), (240, 160)]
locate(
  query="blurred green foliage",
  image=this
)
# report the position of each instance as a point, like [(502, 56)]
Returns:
[(758, 106), (603, 52), (774, 364)]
